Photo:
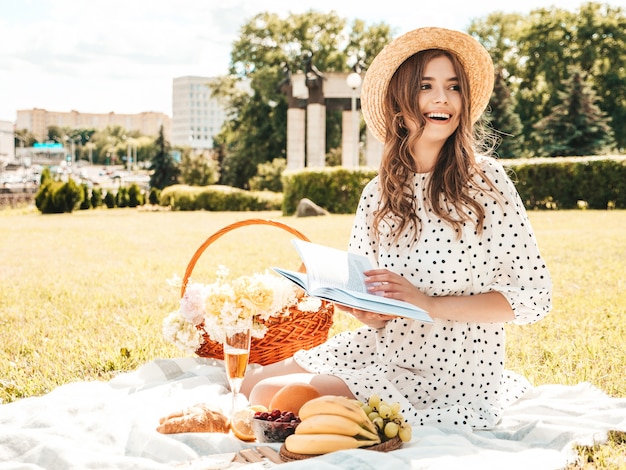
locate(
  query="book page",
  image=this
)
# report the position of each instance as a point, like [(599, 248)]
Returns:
[(330, 267)]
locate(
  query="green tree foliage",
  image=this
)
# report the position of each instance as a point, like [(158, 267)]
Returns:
[(165, 170), (576, 125), (109, 200), (268, 50), (121, 197), (57, 197), (96, 198), (24, 138), (198, 169), (153, 197), (86, 202), (268, 177), (495, 34), (602, 52), (534, 54), (505, 121), (135, 197)]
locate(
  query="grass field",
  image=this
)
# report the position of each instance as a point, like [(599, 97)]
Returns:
[(83, 295)]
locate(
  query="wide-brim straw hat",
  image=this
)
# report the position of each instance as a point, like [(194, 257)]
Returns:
[(473, 56)]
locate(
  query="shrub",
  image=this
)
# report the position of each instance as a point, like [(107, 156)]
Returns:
[(135, 198), (96, 198), (109, 200), (121, 198), (85, 204), (570, 182), (336, 189), (56, 197), (543, 183), (268, 177), (154, 196), (218, 198)]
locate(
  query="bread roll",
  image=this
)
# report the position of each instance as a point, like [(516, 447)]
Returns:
[(197, 418)]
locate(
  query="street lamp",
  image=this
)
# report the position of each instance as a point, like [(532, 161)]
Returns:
[(72, 142), (353, 81)]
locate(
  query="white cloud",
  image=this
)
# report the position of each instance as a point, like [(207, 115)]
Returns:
[(121, 55)]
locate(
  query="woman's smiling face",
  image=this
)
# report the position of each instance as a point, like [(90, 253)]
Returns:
[(439, 100)]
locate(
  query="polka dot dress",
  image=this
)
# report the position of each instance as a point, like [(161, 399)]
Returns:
[(448, 373)]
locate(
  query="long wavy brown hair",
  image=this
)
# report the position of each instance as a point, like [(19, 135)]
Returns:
[(450, 182)]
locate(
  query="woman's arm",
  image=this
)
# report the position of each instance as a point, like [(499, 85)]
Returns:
[(489, 307)]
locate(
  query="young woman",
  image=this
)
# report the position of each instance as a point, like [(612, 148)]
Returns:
[(448, 232)]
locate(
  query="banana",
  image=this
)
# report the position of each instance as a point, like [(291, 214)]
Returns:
[(337, 405), (334, 424), (315, 444)]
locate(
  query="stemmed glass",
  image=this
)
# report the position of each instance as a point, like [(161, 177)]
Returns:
[(236, 354)]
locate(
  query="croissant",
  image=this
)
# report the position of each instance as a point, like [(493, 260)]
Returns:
[(197, 418)]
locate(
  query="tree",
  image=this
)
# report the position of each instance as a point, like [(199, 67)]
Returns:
[(601, 35), (576, 125), (199, 169), (535, 52), (495, 34), (269, 46), (268, 177), (505, 121), (24, 138), (164, 169)]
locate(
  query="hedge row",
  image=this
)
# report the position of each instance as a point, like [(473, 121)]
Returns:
[(336, 189), (568, 183), (550, 183), (218, 198)]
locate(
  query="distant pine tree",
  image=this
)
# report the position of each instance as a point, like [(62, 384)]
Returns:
[(576, 126), (505, 121), (165, 170)]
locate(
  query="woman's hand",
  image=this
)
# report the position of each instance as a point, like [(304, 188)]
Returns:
[(387, 284), (384, 282), (371, 319)]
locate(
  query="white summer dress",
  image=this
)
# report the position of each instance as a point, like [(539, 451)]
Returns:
[(448, 373)]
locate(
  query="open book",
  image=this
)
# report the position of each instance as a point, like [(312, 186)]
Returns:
[(337, 276)]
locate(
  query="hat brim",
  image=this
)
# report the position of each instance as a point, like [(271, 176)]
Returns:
[(473, 56)]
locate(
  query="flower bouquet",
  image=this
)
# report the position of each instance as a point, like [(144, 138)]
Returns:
[(281, 317)]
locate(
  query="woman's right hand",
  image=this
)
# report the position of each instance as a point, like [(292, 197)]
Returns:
[(371, 319)]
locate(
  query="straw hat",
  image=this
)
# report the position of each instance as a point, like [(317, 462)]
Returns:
[(473, 56)]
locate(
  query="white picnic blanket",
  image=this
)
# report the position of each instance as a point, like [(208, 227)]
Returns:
[(112, 425)]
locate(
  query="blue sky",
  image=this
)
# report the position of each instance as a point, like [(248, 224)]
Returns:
[(121, 55)]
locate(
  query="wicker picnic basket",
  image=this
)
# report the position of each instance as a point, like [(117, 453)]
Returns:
[(286, 334)]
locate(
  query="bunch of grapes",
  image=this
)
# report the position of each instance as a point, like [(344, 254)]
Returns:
[(387, 418)]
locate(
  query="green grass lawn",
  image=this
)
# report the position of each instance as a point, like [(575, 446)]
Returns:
[(83, 295)]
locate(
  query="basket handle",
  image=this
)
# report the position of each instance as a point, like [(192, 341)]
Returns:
[(226, 229)]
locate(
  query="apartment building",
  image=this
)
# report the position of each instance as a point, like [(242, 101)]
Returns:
[(196, 115), (38, 120)]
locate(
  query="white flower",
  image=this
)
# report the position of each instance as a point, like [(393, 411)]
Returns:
[(309, 304), (245, 302), (181, 333)]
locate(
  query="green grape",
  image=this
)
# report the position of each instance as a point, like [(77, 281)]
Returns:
[(405, 433), (395, 408), (384, 410), (391, 429), (379, 423), (374, 401), (397, 418), (373, 415), (368, 409)]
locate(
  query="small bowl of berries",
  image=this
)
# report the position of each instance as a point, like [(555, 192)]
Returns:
[(274, 426)]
